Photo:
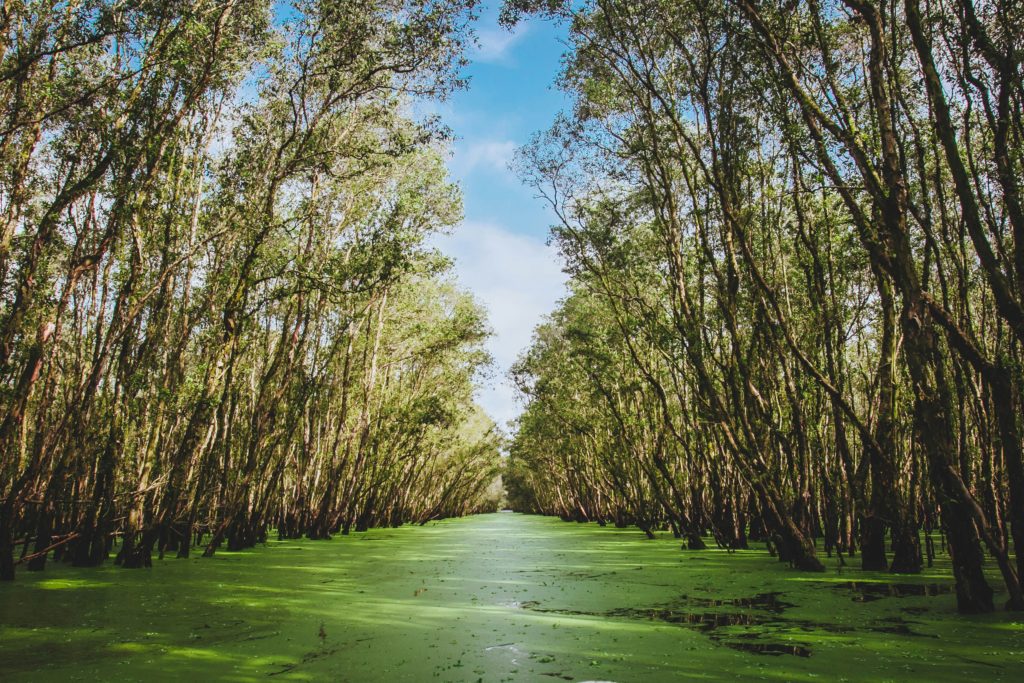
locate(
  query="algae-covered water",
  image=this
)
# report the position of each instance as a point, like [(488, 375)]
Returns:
[(502, 597)]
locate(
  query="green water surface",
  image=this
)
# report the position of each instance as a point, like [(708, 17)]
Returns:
[(502, 597)]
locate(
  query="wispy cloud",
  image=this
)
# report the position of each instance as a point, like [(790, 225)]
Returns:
[(518, 279), (494, 44), (493, 155)]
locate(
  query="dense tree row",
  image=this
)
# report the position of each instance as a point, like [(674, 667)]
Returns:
[(218, 311), (796, 238)]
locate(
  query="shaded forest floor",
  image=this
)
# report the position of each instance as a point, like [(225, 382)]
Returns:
[(501, 597)]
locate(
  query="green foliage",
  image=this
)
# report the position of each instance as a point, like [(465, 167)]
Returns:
[(218, 312), (787, 314)]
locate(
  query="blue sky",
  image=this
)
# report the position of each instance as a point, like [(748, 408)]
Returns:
[(500, 249)]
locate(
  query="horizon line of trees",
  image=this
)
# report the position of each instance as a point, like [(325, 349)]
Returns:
[(219, 309), (795, 235)]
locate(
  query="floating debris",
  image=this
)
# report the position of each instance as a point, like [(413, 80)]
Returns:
[(774, 649), (869, 591), (759, 610)]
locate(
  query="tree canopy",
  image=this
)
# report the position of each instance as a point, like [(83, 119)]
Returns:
[(797, 253), (220, 313)]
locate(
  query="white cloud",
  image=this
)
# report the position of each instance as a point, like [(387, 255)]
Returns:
[(495, 43), (519, 280), (493, 155)]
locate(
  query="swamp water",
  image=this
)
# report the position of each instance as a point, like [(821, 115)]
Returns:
[(502, 597)]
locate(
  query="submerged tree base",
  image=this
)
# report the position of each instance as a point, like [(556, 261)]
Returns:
[(502, 597)]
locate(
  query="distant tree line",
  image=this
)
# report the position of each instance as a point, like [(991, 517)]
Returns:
[(795, 232), (219, 314)]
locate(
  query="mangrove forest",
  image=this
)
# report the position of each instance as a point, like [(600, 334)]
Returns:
[(593, 340)]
